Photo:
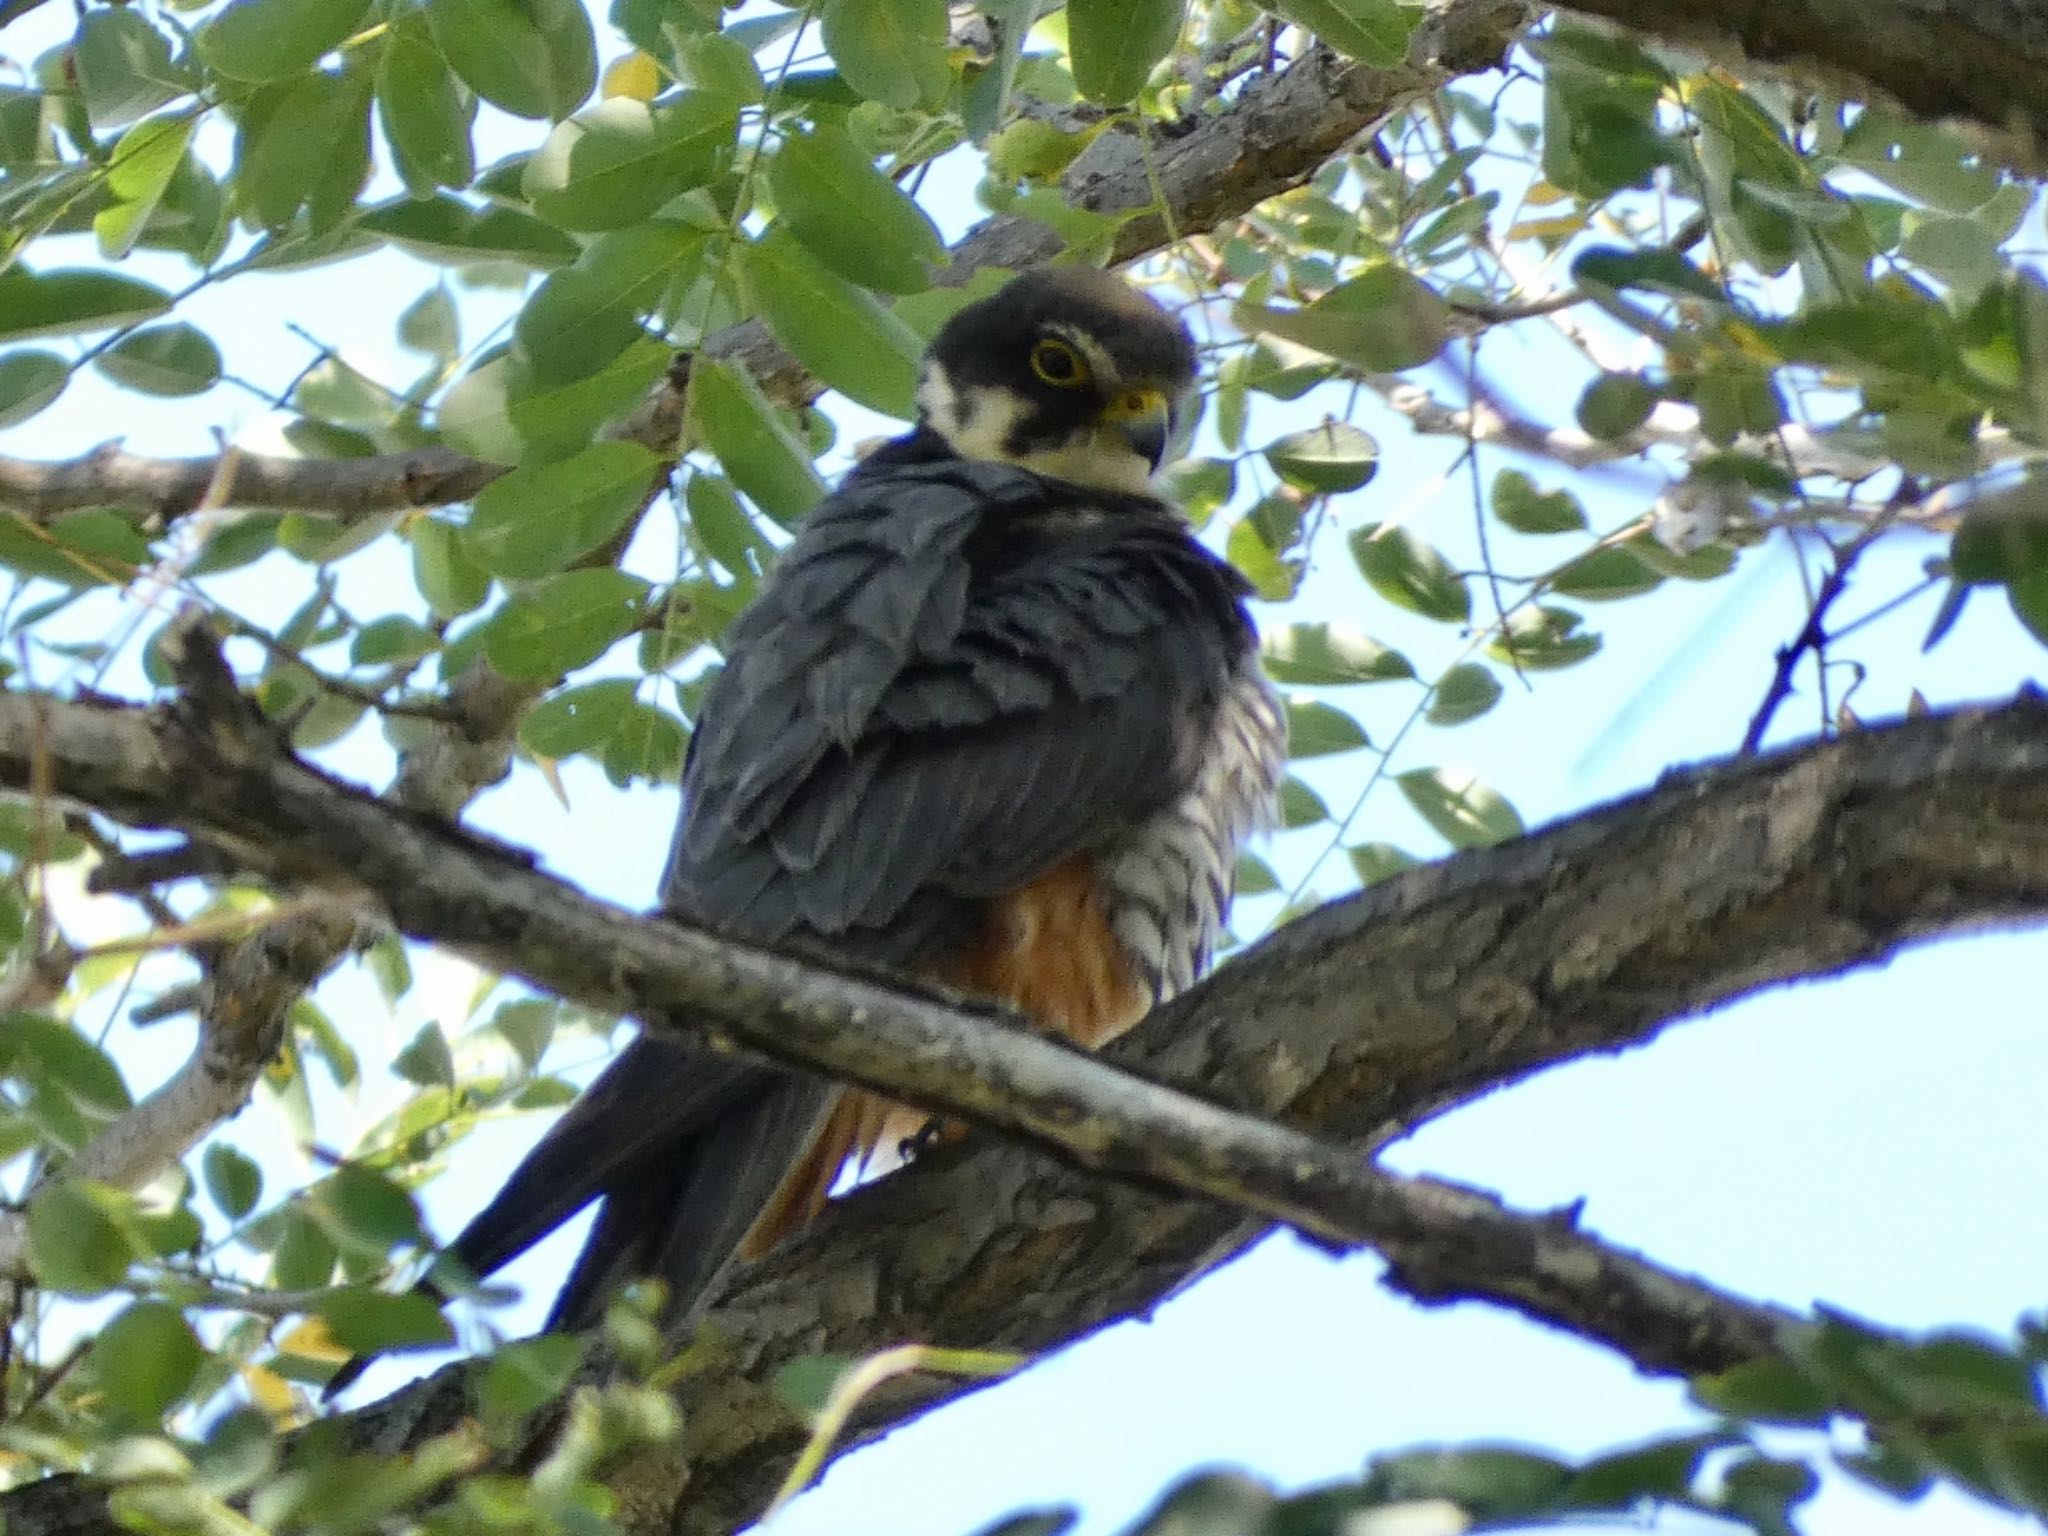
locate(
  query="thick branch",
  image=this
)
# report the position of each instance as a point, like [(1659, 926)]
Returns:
[(1358, 1020), (1981, 61), (1271, 138), (212, 768)]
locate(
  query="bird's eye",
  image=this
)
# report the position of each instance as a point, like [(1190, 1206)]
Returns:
[(1058, 364)]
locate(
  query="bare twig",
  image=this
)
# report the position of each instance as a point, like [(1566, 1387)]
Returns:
[(1812, 636)]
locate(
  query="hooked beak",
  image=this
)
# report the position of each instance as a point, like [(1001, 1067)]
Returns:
[(1144, 418)]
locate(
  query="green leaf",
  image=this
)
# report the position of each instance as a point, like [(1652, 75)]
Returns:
[(426, 116), (1333, 457), (139, 173), (166, 360), (145, 1360), (430, 325), (1254, 876), (1657, 270), (82, 1237), (526, 1376), (724, 528), (28, 382), (264, 40), (807, 1383), (1409, 573), (538, 518), (304, 1256), (1493, 1483), (1888, 1469), (442, 229), (475, 416), (386, 959), (1458, 808), (582, 318), (1922, 160), (1316, 729), (361, 1208), (553, 418), (1606, 574), (1766, 1389), (1446, 234), (1375, 31), (305, 145), (563, 623), (735, 420), (850, 216), (1374, 862), (1518, 503), (528, 1024), (1464, 693), (80, 549), (1114, 44), (452, 583), (368, 1322), (1330, 653), (1542, 638), (1383, 320), (123, 66), (1252, 552), (234, 1181), (1735, 399), (723, 65), (1662, 1469), (393, 639), (987, 97), (1761, 1492), (426, 1059), (534, 58), (1954, 1375), (1300, 806), (1615, 404), (648, 744), (615, 164), (574, 720), (891, 51), (1959, 251), (72, 300), (840, 332)]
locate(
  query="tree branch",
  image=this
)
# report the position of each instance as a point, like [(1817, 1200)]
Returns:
[(1980, 61), (1272, 137), (1359, 1020)]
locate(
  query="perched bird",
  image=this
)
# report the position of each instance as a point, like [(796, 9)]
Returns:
[(995, 720)]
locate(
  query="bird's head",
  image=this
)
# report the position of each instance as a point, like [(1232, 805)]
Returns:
[(1066, 371)]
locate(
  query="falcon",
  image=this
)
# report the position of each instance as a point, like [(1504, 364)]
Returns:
[(995, 721)]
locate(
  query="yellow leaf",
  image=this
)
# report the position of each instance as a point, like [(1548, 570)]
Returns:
[(312, 1341), (636, 75), (552, 772), (268, 1390)]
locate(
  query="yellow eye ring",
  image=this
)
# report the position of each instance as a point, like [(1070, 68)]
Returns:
[(1059, 364)]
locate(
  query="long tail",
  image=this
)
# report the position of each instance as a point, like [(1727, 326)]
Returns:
[(686, 1148)]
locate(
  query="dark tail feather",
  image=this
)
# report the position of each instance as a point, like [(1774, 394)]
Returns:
[(681, 1221), (639, 1115), (684, 1146)]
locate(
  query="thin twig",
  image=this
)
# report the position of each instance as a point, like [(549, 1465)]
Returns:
[(1812, 636)]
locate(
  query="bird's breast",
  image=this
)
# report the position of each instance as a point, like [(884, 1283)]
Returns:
[(1166, 885)]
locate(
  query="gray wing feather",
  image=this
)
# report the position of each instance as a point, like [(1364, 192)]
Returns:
[(955, 678)]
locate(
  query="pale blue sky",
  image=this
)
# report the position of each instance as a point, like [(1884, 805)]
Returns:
[(1874, 1142)]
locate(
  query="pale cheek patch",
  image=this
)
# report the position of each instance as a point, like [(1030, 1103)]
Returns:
[(977, 425), (981, 425)]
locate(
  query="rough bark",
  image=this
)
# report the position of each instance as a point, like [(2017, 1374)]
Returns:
[(1355, 1022), (1981, 62)]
